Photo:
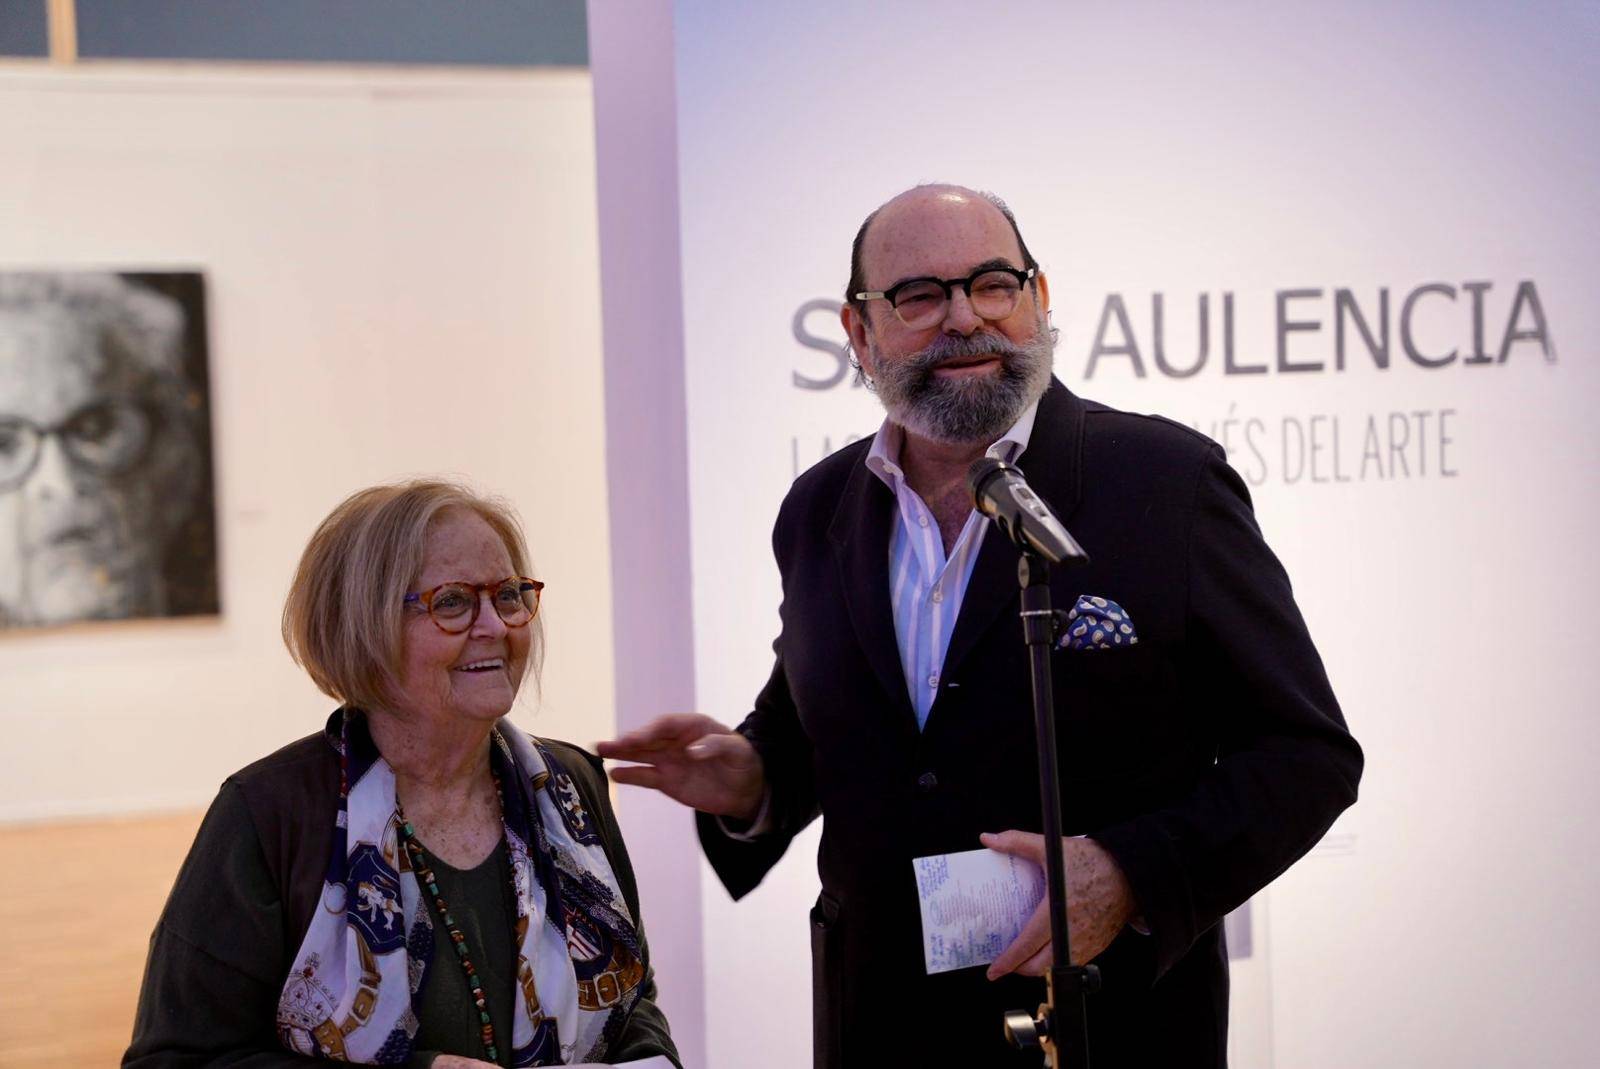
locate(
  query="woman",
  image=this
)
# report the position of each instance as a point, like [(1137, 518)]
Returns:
[(418, 883)]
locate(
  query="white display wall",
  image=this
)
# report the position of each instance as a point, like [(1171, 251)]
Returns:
[(1293, 167), (380, 247)]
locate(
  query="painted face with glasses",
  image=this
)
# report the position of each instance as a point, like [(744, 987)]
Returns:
[(467, 637), (105, 438), (81, 527)]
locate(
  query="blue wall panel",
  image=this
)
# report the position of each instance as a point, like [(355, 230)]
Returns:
[(23, 28), (476, 32)]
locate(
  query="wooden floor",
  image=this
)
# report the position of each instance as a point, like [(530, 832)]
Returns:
[(78, 904)]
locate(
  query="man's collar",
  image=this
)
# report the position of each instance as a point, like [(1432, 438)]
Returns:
[(883, 459)]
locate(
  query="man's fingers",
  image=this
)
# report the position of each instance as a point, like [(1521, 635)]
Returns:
[(637, 776), (1028, 844), (1039, 964), (1034, 934), (625, 746), (719, 746), (664, 732), (653, 736), (1013, 957), (625, 749)]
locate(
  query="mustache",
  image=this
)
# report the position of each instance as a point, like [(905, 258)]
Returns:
[(948, 347)]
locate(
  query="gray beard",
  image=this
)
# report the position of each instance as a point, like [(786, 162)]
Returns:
[(964, 410)]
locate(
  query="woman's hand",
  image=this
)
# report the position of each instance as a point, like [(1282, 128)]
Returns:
[(456, 1061), (694, 760)]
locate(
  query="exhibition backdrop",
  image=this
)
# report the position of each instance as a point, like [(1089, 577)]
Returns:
[(1356, 245)]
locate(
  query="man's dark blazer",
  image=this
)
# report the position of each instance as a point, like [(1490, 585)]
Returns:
[(1206, 758)]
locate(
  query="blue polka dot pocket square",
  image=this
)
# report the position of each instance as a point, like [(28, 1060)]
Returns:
[(1097, 624)]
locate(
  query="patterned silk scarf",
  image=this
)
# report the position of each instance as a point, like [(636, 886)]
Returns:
[(366, 954)]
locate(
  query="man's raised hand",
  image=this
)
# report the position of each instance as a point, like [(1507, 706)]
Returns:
[(694, 760)]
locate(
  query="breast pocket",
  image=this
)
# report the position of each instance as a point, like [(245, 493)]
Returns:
[(1115, 706), (1125, 738)]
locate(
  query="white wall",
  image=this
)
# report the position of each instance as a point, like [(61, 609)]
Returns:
[(1186, 149), (377, 244)]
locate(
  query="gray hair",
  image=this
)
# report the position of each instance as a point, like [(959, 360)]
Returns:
[(140, 322), (145, 330)]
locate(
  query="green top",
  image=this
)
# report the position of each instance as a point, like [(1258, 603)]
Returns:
[(241, 902), (480, 902)]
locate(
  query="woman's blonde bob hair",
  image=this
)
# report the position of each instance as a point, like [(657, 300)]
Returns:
[(344, 618)]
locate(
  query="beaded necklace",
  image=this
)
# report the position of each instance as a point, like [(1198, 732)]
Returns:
[(419, 865)]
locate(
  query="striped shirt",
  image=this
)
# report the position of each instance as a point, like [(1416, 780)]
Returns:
[(926, 587)]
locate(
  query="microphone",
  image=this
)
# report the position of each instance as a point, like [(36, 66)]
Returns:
[(1000, 492)]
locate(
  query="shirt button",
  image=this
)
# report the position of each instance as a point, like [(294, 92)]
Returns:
[(933, 680), (938, 595), (922, 520), (927, 782)]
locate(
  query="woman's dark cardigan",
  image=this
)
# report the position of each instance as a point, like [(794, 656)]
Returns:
[(244, 898)]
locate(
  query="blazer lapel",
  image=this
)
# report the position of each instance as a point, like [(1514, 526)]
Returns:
[(1052, 464), (860, 535)]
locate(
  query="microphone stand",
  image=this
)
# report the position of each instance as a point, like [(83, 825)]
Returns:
[(1060, 1027)]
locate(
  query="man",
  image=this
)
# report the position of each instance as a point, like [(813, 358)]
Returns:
[(100, 458), (1197, 762)]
